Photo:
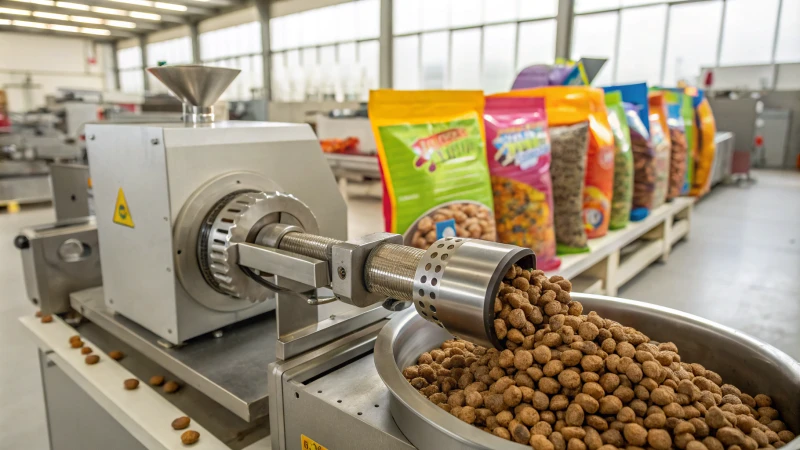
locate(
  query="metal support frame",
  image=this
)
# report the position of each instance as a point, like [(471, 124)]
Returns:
[(143, 46), (194, 37), (264, 15), (386, 44), (564, 20), (115, 66)]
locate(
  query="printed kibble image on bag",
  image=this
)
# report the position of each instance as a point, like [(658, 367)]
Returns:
[(432, 153), (518, 147), (662, 146), (623, 162)]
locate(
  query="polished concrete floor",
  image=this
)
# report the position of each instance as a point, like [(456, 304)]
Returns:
[(740, 267)]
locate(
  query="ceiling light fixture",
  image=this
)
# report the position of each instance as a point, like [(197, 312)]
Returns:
[(22, 23), (47, 15), (84, 19), (69, 28), (97, 31), (112, 11), (143, 15), (120, 24), (16, 12), (71, 5), (147, 3), (171, 6), (37, 2)]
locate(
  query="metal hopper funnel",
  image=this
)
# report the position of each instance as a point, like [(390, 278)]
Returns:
[(197, 86)]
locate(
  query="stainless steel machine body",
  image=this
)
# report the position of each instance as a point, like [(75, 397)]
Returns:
[(59, 259), (70, 184), (171, 176)]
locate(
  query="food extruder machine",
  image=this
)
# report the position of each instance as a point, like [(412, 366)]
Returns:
[(224, 267)]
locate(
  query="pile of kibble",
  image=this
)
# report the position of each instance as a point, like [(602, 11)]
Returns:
[(569, 381)]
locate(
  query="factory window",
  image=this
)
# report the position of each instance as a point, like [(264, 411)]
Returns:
[(237, 47), (788, 49), (470, 44), (669, 41), (131, 76), (640, 48), (173, 51), (748, 32), (691, 40), (595, 36), (329, 53)]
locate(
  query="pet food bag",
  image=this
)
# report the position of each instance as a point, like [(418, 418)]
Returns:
[(623, 162), (644, 178), (687, 114), (432, 153), (568, 105), (678, 141), (659, 136), (518, 151), (706, 147)]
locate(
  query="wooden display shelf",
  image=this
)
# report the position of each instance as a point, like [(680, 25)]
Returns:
[(620, 255)]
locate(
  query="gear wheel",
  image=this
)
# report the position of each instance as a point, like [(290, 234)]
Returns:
[(238, 218), (228, 223)]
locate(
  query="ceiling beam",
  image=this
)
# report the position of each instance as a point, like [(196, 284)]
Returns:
[(141, 24)]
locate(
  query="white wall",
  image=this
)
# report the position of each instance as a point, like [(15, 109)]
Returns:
[(51, 61)]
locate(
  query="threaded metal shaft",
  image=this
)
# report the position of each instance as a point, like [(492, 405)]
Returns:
[(390, 270), (309, 245)]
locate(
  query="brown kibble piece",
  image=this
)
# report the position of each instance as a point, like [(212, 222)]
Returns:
[(76, 343), (156, 380), (540, 442), (181, 423), (635, 434), (38, 313), (116, 355), (190, 437), (47, 319), (131, 384), (86, 350), (659, 439), (92, 359), (170, 387)]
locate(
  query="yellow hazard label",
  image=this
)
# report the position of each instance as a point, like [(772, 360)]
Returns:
[(306, 443), (122, 214)]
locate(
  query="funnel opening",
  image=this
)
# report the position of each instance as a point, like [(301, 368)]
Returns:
[(197, 86)]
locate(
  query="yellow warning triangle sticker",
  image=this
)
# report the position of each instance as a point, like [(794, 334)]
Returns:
[(122, 214)]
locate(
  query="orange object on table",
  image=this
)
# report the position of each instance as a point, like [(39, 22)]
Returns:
[(347, 145)]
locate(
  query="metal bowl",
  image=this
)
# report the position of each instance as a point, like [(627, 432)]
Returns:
[(752, 365)]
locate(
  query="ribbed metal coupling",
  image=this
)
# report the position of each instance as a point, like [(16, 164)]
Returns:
[(310, 245), (390, 270)]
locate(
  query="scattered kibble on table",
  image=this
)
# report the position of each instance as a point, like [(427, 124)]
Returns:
[(181, 422), (171, 386), (190, 437)]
